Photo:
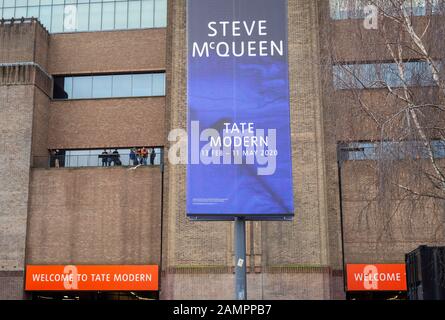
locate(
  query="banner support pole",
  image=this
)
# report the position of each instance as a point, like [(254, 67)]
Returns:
[(240, 259)]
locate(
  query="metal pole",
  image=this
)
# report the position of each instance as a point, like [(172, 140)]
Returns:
[(240, 259)]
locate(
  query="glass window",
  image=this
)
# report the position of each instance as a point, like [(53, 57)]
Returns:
[(82, 87), (102, 86), (121, 15), (364, 76), (160, 13), (95, 16), (70, 18), (63, 88), (59, 92), (20, 12), (57, 19), (134, 14), (20, 3), (8, 3), (147, 20), (88, 15), (68, 87), (8, 13), (109, 86), (33, 12), (158, 84), (142, 85), (82, 17), (108, 16), (45, 16), (122, 86)]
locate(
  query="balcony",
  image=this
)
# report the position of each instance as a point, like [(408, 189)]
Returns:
[(98, 158)]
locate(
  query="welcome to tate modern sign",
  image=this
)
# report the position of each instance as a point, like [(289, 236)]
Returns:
[(239, 149)]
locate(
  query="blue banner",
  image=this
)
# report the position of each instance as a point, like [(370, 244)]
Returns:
[(239, 149)]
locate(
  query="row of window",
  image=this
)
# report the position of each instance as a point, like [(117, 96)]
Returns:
[(357, 151), (354, 9), (380, 75), (110, 86), (85, 15)]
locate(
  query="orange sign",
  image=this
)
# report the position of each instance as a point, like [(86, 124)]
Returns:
[(376, 277), (92, 278)]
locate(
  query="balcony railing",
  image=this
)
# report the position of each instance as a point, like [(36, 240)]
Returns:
[(84, 161)]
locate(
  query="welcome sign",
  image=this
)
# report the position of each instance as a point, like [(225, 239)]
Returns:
[(239, 149), (92, 278)]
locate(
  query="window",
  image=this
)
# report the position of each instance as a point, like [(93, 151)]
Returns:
[(33, 12), (108, 16), (109, 86), (57, 18), (380, 75), (95, 16), (147, 14), (354, 9), (142, 85), (102, 86), (121, 86), (134, 14), (121, 15), (20, 12), (88, 15), (83, 12), (399, 150), (160, 17), (82, 87)]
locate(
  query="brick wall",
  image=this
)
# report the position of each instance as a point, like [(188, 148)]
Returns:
[(106, 123), (95, 216), (299, 244), (116, 51)]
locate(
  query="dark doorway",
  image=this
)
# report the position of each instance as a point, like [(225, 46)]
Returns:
[(95, 295), (377, 295)]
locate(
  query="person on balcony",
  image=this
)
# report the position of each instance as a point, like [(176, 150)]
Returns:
[(104, 156), (152, 156), (133, 156), (116, 158), (144, 155)]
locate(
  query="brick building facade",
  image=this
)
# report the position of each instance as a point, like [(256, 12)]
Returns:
[(95, 215)]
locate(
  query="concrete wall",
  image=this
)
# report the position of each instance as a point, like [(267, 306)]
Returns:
[(94, 216)]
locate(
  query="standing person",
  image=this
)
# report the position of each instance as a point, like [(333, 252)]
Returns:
[(110, 158), (144, 154), (104, 157), (139, 155), (116, 158), (152, 156), (57, 158), (133, 157)]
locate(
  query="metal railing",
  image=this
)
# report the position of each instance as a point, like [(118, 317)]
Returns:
[(96, 160)]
